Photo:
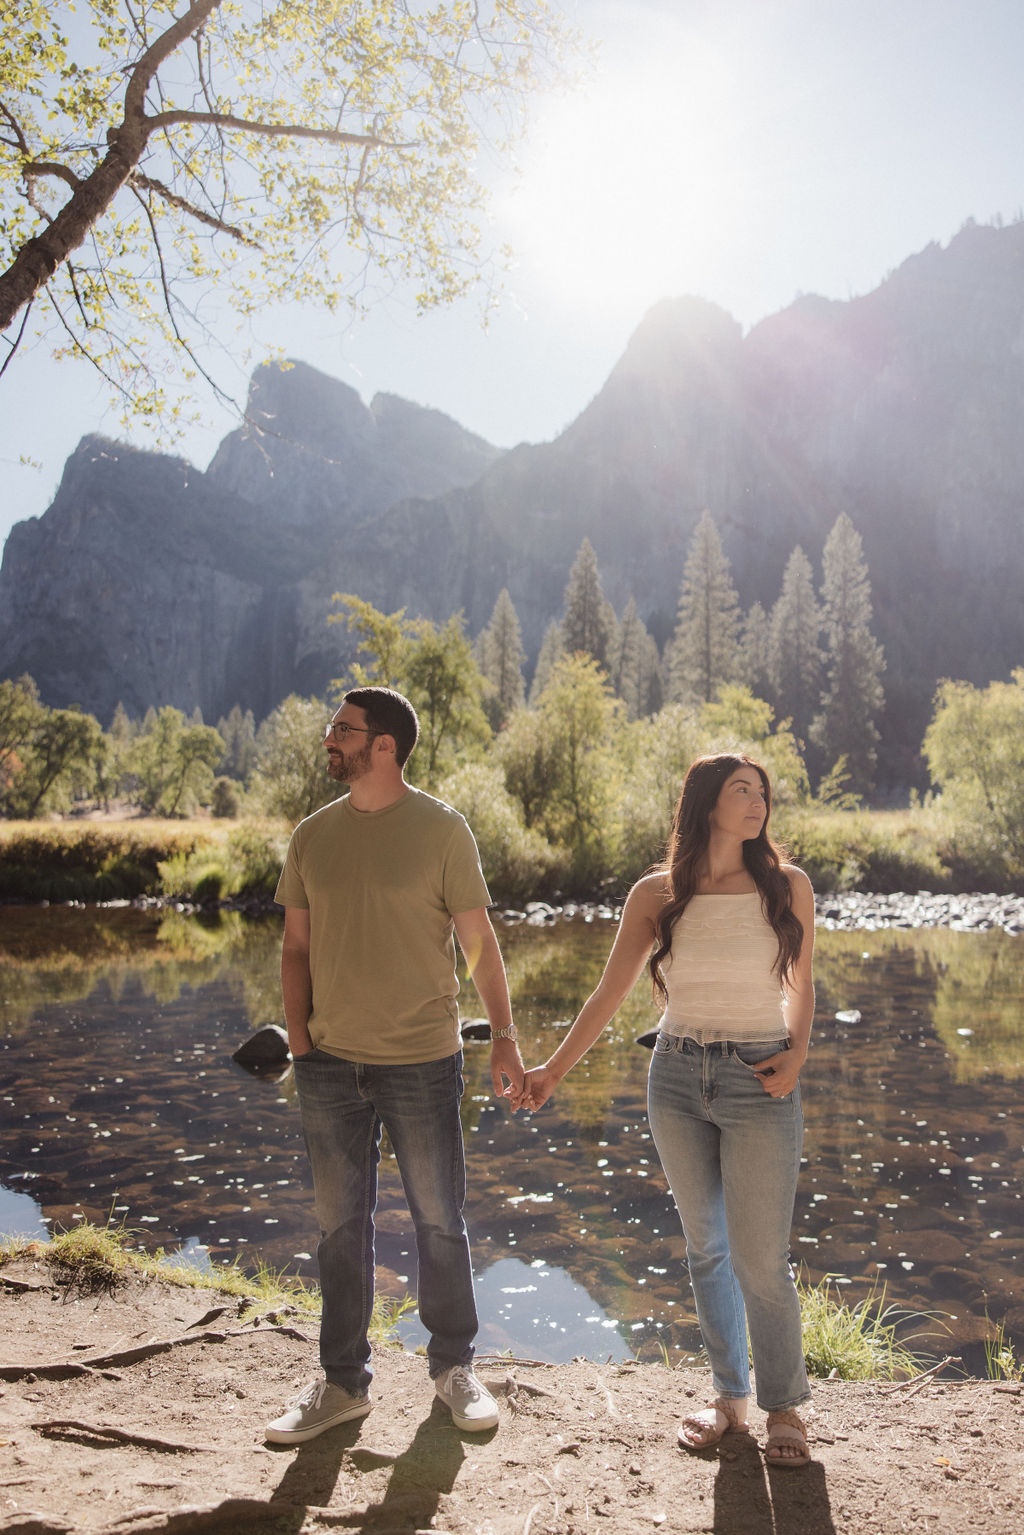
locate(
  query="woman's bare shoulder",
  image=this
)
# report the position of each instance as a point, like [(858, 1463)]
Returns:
[(650, 893), (799, 884)]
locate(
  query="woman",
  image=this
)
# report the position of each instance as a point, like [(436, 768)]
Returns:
[(727, 930)]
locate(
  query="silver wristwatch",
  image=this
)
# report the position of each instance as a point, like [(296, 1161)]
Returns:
[(509, 1033)]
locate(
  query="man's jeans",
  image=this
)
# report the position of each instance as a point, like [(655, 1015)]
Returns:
[(343, 1107), (731, 1154)]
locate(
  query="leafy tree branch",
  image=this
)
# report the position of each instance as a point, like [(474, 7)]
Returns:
[(280, 151)]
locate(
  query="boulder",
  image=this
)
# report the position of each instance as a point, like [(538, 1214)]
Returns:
[(264, 1050)]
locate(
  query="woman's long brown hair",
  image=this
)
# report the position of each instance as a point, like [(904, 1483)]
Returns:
[(687, 845)]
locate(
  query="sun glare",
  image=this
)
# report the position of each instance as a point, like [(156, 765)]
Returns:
[(630, 187)]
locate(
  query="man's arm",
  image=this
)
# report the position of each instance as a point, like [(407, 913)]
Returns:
[(479, 944), (296, 981)]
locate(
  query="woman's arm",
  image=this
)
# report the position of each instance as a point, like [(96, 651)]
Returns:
[(630, 952), (779, 1074)]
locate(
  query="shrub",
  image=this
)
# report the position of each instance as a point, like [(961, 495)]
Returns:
[(517, 861), (255, 853), (225, 801)]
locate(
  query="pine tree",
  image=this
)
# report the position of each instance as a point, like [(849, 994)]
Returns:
[(705, 650), (853, 695), (551, 651), (795, 660), (588, 627), (501, 655), (238, 732), (752, 669), (635, 670)]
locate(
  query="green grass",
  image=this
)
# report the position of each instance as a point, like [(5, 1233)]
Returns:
[(848, 1342), (197, 860), (1001, 1362), (89, 1259), (852, 1342), (206, 859)]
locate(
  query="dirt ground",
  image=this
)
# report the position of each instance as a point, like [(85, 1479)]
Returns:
[(143, 1409)]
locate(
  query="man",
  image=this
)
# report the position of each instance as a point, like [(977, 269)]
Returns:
[(373, 886)]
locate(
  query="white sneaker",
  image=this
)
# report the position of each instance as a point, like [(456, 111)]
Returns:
[(319, 1407), (472, 1406)]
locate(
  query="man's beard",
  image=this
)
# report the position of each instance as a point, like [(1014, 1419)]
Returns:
[(347, 769)]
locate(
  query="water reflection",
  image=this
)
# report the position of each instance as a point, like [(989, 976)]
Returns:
[(117, 1090), (536, 1310)]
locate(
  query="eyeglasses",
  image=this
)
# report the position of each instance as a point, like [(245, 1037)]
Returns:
[(339, 729)]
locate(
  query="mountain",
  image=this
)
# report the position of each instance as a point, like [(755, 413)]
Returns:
[(152, 582), (149, 582)]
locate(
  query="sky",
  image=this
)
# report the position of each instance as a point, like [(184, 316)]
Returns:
[(744, 151)]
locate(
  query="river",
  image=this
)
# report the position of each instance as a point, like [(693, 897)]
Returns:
[(120, 1101)]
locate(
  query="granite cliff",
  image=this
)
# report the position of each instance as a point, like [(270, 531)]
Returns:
[(150, 581)]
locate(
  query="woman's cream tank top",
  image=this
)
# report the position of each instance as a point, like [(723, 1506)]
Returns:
[(719, 974)]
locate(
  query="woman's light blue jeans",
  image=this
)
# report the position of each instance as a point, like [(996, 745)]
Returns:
[(731, 1154), (344, 1105)]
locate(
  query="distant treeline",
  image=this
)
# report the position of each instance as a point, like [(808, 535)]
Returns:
[(570, 790)]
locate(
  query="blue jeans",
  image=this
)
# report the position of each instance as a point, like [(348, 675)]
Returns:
[(344, 1105), (731, 1154)]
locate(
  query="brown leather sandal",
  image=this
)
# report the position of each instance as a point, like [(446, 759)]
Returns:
[(786, 1431), (707, 1423)]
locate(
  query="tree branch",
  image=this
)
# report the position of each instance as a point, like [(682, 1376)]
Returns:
[(19, 141), (36, 168), (274, 130), (165, 286), (148, 184), (166, 43), (14, 345), (40, 256)]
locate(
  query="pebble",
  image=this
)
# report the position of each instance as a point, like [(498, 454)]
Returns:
[(975, 912), (844, 911)]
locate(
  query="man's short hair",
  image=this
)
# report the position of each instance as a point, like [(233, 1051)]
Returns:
[(389, 713)]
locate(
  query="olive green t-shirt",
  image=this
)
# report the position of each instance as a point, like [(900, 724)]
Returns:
[(382, 888)]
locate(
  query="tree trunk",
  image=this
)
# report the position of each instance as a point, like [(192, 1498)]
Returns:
[(40, 256)]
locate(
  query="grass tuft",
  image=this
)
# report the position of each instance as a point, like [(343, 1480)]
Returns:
[(855, 1342), (1001, 1362), (88, 1259)]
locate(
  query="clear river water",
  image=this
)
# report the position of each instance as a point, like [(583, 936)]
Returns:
[(119, 1100)]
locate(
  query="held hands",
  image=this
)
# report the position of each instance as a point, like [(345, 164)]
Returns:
[(538, 1085), (507, 1070)]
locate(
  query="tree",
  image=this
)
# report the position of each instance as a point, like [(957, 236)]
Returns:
[(529, 761), (737, 721), (501, 656), (588, 627), (752, 663), (845, 726), (705, 649), (975, 752), (56, 759), (579, 718), (20, 714), (635, 671), (118, 775), (173, 762), (517, 862), (287, 148), (446, 686), (795, 660), (552, 649), (290, 778), (238, 732), (434, 666)]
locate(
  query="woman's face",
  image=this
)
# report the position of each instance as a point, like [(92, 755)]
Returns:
[(741, 807)]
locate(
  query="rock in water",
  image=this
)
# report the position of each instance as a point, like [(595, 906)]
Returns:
[(265, 1049)]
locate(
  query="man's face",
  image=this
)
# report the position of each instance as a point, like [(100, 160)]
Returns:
[(351, 757)]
